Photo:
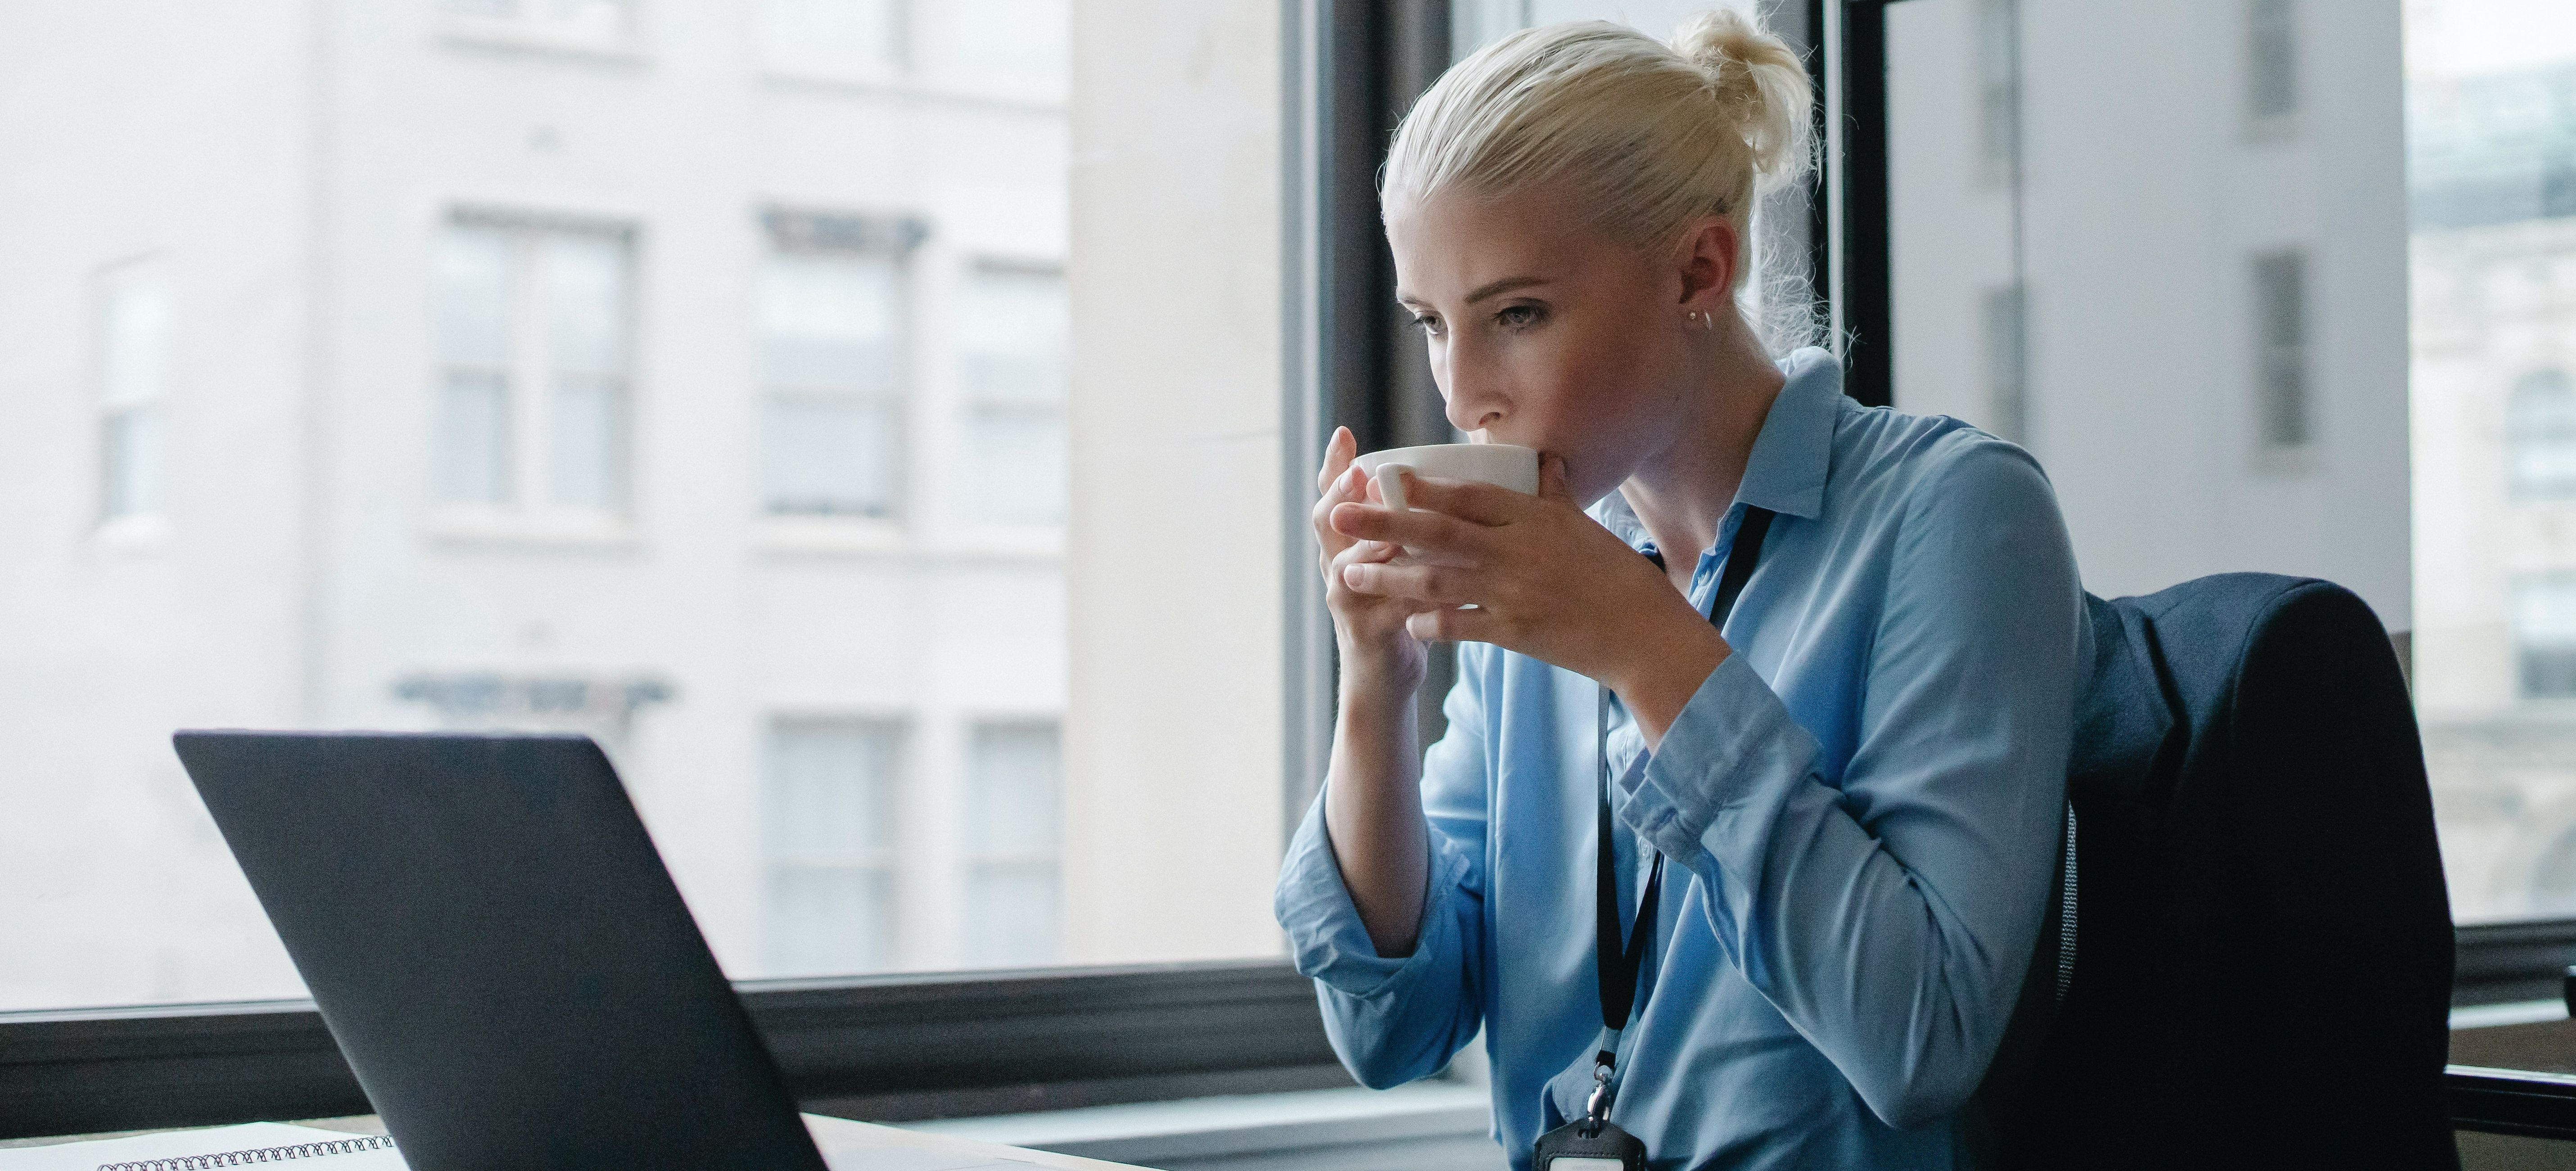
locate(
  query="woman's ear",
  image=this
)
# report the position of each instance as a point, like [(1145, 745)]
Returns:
[(1709, 256)]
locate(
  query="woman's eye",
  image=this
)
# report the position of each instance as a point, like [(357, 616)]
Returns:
[(1429, 325), (1518, 316)]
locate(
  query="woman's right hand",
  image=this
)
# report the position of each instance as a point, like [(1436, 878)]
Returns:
[(1376, 649)]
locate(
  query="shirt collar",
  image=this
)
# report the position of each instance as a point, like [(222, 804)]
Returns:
[(1791, 455)]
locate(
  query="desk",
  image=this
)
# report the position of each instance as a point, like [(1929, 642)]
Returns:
[(844, 1143)]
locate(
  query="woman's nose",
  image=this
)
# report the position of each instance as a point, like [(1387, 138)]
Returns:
[(1474, 399)]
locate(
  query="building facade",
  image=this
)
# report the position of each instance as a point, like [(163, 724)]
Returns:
[(688, 374)]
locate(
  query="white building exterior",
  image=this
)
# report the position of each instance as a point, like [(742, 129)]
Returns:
[(404, 365)]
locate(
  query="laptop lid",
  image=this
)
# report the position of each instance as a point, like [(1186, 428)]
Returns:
[(498, 950)]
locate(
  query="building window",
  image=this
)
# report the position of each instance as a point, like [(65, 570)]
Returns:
[(1999, 87), (1011, 340), (2540, 436), (533, 351), (589, 20), (828, 839), (2007, 363), (1016, 47), (1012, 909), (2544, 637), (2271, 56), (832, 370), (2281, 350), (133, 376), (835, 36)]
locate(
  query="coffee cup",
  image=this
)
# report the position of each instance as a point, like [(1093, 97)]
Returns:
[(1499, 464)]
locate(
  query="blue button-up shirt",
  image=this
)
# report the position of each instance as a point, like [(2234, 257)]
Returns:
[(1860, 807)]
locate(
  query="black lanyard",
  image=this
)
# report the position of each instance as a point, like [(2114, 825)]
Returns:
[(1620, 963)]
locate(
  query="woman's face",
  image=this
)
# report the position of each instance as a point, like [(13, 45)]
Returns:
[(1545, 333)]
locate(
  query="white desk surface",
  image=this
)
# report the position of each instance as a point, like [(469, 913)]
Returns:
[(845, 1144)]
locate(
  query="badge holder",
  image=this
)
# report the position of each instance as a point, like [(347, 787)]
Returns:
[(1593, 1142)]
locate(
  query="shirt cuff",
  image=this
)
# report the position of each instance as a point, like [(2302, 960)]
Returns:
[(1325, 935), (1725, 768)]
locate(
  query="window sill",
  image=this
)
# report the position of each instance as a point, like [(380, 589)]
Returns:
[(905, 87), (619, 49), (132, 534), (574, 533), (1325, 1128), (847, 537)]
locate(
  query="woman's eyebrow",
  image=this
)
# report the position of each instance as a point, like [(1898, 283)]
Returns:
[(1505, 285), (1491, 289)]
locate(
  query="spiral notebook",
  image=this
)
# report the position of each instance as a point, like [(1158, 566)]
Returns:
[(256, 1143)]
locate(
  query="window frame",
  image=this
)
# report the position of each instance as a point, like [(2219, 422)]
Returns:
[(908, 1047), (531, 413)]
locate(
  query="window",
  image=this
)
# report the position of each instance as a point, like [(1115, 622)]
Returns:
[(832, 383), (2281, 349), (2008, 407), (2544, 637), (2540, 436), (1011, 334), (835, 36), (1014, 872), (133, 381), (2271, 57), (580, 393), (533, 397), (565, 19), (829, 830), (995, 46)]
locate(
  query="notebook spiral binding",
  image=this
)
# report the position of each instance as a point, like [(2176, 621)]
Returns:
[(346, 1146)]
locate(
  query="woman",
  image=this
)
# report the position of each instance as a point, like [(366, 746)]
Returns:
[(1856, 783)]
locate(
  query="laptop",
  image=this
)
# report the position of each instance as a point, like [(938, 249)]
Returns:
[(497, 948)]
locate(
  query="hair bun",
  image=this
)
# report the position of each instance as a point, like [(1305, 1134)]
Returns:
[(1760, 86)]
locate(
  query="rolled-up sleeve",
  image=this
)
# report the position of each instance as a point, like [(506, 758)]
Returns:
[(1395, 1019), (1889, 914)]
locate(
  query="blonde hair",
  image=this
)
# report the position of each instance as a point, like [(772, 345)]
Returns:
[(1649, 137)]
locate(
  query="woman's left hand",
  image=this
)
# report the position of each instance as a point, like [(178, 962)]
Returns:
[(1545, 579)]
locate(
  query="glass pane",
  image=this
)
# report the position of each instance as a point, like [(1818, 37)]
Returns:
[(1013, 470), (827, 322), (472, 446), (1011, 330), (845, 34), (1014, 786), (2491, 181), (587, 438), (585, 283), (474, 297), (134, 359), (562, 488), (996, 44), (831, 792), (134, 464), (829, 456), (825, 921), (1013, 916), (2540, 435)]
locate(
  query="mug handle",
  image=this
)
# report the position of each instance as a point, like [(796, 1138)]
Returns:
[(1390, 485)]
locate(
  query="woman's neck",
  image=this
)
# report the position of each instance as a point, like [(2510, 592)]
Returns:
[(1682, 491)]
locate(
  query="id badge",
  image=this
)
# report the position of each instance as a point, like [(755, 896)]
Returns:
[(1586, 1145)]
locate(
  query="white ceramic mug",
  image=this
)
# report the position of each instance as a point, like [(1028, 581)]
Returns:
[(1499, 464)]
